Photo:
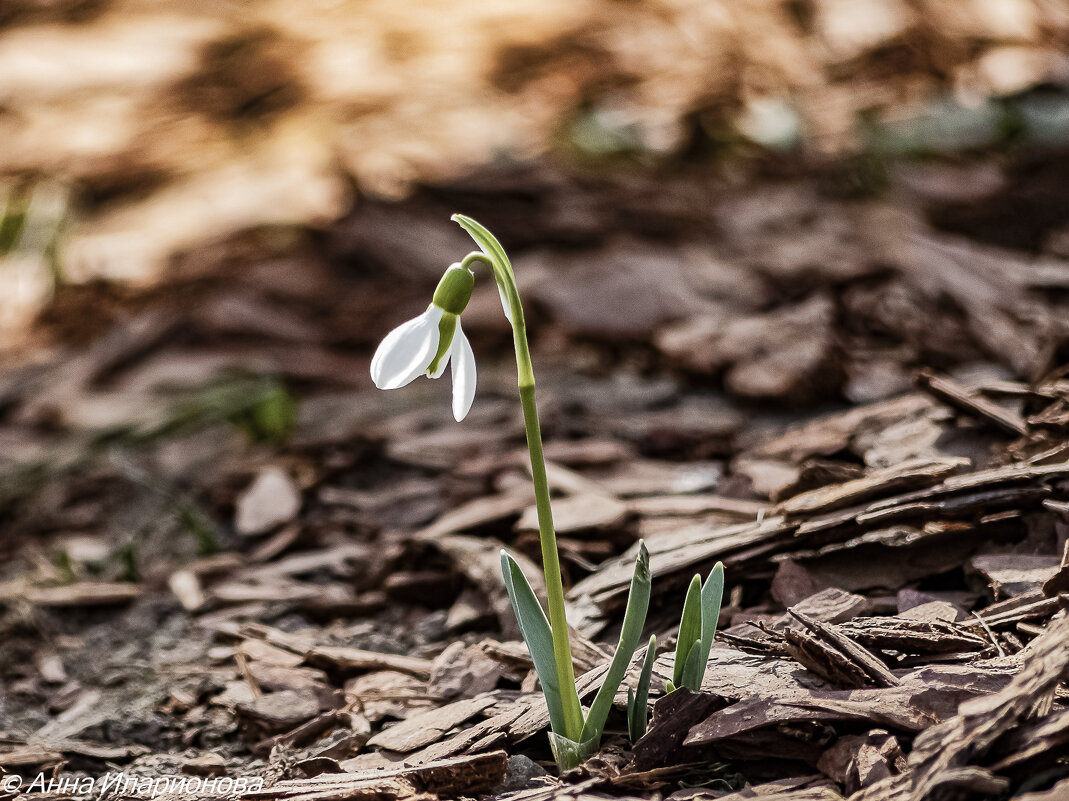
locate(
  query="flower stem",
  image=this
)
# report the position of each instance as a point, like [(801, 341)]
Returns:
[(562, 652), (547, 537)]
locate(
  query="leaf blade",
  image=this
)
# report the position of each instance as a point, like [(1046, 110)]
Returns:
[(638, 601), (536, 632), (690, 628), (486, 241), (636, 703), (694, 670), (712, 597)]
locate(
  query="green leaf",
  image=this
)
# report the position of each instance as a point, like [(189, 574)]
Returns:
[(712, 595), (636, 702), (669, 687), (489, 244), (693, 670), (690, 628), (534, 626), (638, 602), (484, 239)]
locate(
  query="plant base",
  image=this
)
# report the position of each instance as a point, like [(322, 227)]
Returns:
[(569, 754)]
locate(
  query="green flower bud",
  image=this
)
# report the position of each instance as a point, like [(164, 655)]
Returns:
[(454, 290)]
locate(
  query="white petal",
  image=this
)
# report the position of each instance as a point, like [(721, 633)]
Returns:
[(505, 305), (463, 371), (407, 351)]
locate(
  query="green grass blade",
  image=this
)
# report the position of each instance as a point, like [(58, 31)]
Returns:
[(636, 702), (690, 628), (534, 626), (638, 602), (712, 596)]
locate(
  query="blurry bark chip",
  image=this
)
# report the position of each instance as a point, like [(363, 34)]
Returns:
[(277, 712), (786, 354), (623, 292), (207, 764), (84, 593), (271, 500), (247, 74)]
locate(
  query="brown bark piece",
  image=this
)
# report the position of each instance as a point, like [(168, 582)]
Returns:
[(872, 667), (277, 712), (913, 636), (971, 403), (857, 761), (969, 735), (85, 593), (451, 778), (1013, 574), (910, 475), (924, 696), (831, 606), (342, 659), (824, 660), (424, 728)]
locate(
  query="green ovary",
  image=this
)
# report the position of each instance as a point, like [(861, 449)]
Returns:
[(454, 290)]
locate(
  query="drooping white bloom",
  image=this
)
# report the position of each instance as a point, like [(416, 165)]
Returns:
[(407, 351), (426, 344)]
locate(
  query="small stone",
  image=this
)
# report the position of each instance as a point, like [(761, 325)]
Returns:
[(271, 500), (520, 773), (208, 764)]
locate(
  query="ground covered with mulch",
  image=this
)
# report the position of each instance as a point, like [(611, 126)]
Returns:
[(224, 553)]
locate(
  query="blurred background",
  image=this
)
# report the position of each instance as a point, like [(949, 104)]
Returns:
[(142, 139), (725, 216)]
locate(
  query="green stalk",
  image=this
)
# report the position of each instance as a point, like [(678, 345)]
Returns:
[(547, 537), (494, 256)]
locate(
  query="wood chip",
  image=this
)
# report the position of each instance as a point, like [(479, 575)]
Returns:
[(86, 593), (271, 500), (909, 475), (876, 670), (424, 728), (955, 395), (452, 777), (355, 660), (1010, 575), (579, 513)]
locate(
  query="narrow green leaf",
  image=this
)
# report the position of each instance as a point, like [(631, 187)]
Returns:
[(534, 626), (489, 244), (690, 628), (486, 241), (636, 702), (693, 671), (632, 715), (712, 596), (638, 602)]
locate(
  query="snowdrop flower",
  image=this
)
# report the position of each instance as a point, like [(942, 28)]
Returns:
[(426, 344)]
